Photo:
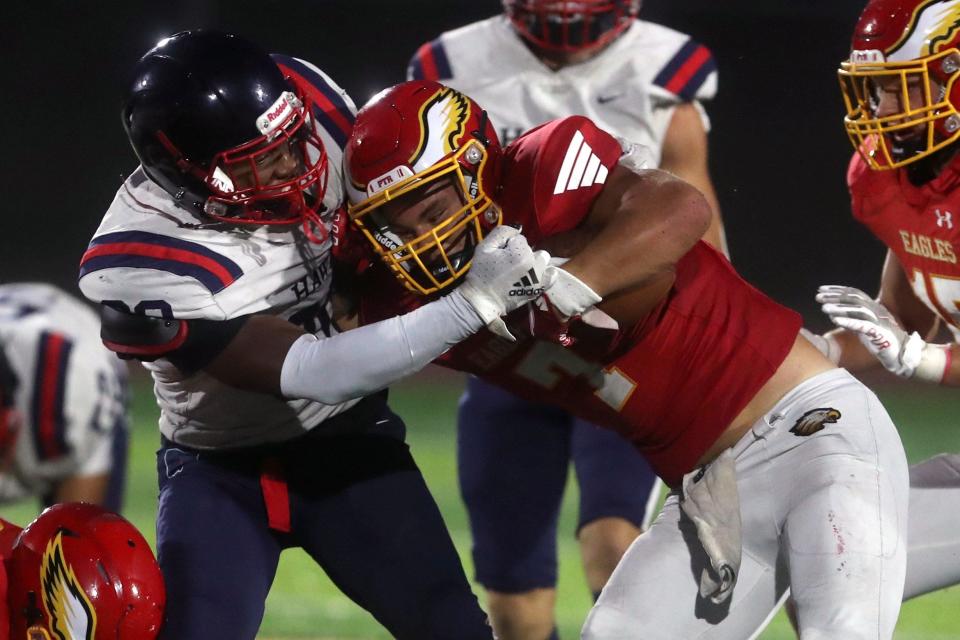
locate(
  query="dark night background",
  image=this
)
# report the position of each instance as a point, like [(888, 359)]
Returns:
[(778, 150)]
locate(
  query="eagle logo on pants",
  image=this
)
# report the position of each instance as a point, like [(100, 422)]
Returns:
[(814, 420)]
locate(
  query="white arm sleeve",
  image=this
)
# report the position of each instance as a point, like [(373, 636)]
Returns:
[(364, 360)]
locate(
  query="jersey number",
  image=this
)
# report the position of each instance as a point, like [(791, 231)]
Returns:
[(546, 363), (940, 293)]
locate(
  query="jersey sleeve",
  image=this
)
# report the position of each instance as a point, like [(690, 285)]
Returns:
[(430, 62), (76, 399), (567, 162), (688, 72), (156, 275), (96, 399)]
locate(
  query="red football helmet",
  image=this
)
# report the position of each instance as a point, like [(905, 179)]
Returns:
[(80, 572), (899, 84), (570, 25), (410, 136)]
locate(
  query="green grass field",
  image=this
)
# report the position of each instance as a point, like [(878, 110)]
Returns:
[(304, 604)]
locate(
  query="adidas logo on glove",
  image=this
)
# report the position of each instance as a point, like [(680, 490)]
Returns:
[(526, 285)]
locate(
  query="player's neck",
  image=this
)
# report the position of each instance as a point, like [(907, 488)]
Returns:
[(928, 169), (556, 59)]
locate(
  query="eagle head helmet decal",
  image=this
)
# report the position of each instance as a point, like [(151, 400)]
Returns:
[(70, 614)]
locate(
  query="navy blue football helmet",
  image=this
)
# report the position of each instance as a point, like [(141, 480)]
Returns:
[(217, 126)]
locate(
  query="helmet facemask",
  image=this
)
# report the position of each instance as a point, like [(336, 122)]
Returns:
[(436, 259), (568, 26), (243, 184), (924, 122)]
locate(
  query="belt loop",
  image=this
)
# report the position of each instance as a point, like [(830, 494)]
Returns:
[(276, 497)]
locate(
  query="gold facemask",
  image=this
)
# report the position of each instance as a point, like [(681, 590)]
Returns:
[(873, 136), (408, 260)]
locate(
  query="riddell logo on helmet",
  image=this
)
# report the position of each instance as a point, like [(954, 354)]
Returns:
[(273, 115), (279, 111)]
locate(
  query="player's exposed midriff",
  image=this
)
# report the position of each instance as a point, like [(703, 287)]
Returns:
[(803, 362)]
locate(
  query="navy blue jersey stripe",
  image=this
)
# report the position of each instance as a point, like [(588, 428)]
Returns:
[(173, 243), (209, 280), (320, 83), (48, 418), (441, 60), (337, 133), (415, 68), (689, 90), (666, 74)]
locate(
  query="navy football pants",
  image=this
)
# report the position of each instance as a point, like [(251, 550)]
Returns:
[(358, 506), (513, 459)]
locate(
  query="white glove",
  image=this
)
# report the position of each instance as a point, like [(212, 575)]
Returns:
[(710, 499), (505, 274), (566, 295), (905, 355)]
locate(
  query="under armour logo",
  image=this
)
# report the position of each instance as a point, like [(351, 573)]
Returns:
[(944, 218)]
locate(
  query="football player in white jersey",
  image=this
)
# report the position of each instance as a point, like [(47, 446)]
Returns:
[(541, 60), (63, 401), (212, 265)]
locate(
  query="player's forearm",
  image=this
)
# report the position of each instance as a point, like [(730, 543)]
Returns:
[(853, 355), (362, 361), (643, 239)]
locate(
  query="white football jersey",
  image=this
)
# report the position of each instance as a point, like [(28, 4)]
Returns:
[(159, 259), (71, 390), (630, 89)]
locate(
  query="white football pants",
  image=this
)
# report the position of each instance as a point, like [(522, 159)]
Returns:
[(823, 514)]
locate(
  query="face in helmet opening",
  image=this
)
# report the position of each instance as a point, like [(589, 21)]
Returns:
[(898, 113), (279, 178), (430, 232)]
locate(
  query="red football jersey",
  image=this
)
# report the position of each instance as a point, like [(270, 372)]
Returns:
[(670, 384), (921, 225)]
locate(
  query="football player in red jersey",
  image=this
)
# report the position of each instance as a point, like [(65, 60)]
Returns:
[(775, 452), (78, 572), (903, 117), (537, 61)]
